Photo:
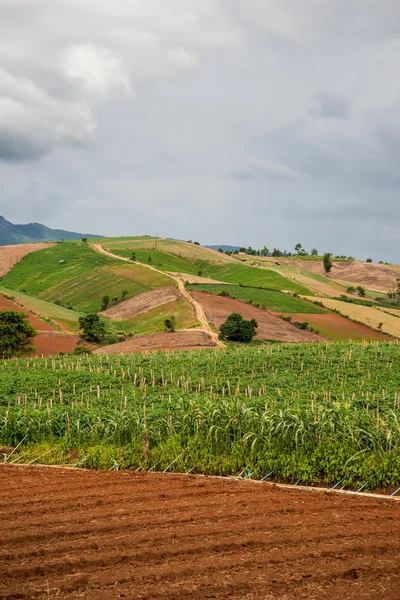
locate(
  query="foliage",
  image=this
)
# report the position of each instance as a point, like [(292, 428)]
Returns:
[(170, 323), (93, 327), (327, 262), (105, 301), (237, 329), (16, 334), (311, 411)]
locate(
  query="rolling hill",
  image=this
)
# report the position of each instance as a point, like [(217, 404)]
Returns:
[(11, 234)]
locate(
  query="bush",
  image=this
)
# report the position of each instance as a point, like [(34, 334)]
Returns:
[(16, 334), (237, 329), (170, 324)]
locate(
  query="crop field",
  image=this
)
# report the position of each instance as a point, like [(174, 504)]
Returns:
[(373, 317), (159, 260), (317, 412), (106, 536), (271, 300), (84, 278), (182, 250), (152, 320)]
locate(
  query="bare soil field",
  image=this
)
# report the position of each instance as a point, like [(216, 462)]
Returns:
[(70, 534), (50, 344), (370, 316), (270, 327), (178, 340), (141, 304), (10, 255), (196, 279), (338, 328), (372, 276), (37, 323)]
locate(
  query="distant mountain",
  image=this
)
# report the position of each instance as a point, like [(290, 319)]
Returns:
[(11, 234), (225, 248)]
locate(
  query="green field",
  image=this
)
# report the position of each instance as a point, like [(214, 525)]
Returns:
[(275, 301), (317, 412), (83, 280), (250, 276), (159, 260)]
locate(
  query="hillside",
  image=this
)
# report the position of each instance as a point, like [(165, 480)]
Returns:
[(11, 234)]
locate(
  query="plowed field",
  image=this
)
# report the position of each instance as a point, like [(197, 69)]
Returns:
[(101, 536), (179, 340)]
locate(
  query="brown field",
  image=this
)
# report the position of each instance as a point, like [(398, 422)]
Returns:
[(196, 279), (37, 323), (372, 276), (270, 327), (338, 329), (70, 534), (10, 255), (370, 316), (142, 303), (178, 340)]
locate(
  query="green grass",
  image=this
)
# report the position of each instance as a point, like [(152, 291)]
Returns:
[(275, 301), (83, 280), (251, 276), (160, 260)]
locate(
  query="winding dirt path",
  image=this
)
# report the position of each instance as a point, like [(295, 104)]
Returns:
[(200, 314)]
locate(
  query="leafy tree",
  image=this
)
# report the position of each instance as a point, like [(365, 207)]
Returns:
[(170, 324), (220, 250), (314, 252), (236, 251), (199, 273), (124, 294), (114, 299), (16, 334), (149, 260), (92, 327), (360, 291), (105, 301), (242, 249), (237, 329), (133, 257), (351, 289), (369, 260), (298, 247), (276, 252), (84, 239), (327, 262), (196, 243), (265, 251)]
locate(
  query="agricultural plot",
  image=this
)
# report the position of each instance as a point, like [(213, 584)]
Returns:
[(368, 315), (339, 329), (82, 279), (152, 320), (271, 300), (316, 412), (106, 536), (159, 260)]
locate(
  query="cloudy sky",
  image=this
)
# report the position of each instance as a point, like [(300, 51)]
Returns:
[(226, 121)]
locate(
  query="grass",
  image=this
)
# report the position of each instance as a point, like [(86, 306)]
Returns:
[(83, 280), (271, 300), (159, 260), (67, 318), (153, 320), (251, 276)]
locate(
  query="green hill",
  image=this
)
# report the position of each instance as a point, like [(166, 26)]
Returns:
[(82, 277)]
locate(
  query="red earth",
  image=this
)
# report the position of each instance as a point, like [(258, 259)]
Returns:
[(70, 534)]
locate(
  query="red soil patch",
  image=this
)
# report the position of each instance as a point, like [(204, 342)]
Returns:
[(71, 534), (270, 327), (179, 340), (338, 328), (51, 344), (37, 323), (11, 255)]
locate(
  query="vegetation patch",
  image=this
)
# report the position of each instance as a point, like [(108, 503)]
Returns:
[(261, 298)]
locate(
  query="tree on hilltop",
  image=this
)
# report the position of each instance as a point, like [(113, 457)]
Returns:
[(16, 334), (327, 262)]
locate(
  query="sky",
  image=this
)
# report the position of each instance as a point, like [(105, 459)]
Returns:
[(244, 122)]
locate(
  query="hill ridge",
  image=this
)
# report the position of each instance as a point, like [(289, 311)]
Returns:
[(12, 234)]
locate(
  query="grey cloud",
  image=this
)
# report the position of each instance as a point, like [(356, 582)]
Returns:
[(268, 170), (330, 106)]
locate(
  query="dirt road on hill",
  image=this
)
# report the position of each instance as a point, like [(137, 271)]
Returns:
[(70, 534), (200, 314)]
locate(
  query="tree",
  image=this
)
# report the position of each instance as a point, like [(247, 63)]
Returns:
[(92, 327), (220, 250), (149, 260), (237, 329), (84, 239), (170, 324), (124, 294), (300, 250), (327, 262), (360, 291), (314, 252), (105, 301), (265, 251), (133, 257), (369, 260), (16, 334), (276, 252)]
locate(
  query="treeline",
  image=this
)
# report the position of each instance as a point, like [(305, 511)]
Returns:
[(276, 252)]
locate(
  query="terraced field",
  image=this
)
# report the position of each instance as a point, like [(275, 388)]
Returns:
[(71, 534), (82, 279)]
